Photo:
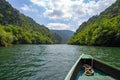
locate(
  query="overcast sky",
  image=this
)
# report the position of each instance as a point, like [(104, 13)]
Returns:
[(61, 14)]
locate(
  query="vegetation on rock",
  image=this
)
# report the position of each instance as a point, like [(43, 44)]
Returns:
[(102, 30), (16, 28)]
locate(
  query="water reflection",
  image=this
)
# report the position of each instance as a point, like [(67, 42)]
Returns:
[(48, 62)]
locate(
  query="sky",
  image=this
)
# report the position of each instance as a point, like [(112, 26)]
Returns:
[(61, 14)]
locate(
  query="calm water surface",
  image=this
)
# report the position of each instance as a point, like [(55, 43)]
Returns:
[(49, 62)]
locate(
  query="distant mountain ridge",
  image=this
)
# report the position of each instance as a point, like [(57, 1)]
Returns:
[(100, 30), (64, 34)]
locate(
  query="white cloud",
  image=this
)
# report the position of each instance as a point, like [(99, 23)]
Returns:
[(58, 26), (28, 8), (67, 9), (74, 10), (39, 2), (57, 14), (25, 8)]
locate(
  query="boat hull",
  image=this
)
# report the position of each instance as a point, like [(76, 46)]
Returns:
[(108, 70)]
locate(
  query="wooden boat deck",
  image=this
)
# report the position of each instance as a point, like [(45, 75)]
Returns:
[(98, 75)]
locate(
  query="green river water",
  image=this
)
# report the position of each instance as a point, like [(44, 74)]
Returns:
[(49, 62)]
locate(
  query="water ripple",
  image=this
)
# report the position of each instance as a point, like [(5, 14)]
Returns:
[(48, 62)]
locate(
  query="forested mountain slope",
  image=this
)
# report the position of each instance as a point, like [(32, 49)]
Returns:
[(16, 28), (101, 30)]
